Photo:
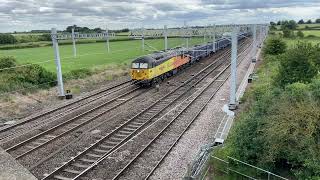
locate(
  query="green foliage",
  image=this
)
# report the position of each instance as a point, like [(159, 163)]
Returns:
[(280, 130), (287, 33), (300, 34), (291, 25), (79, 73), (45, 37), (296, 65), (7, 62), (301, 21), (275, 46), (26, 78), (7, 39)]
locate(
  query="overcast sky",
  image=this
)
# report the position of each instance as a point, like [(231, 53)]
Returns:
[(25, 15)]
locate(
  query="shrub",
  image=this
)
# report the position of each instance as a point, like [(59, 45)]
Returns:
[(7, 62), (287, 33), (7, 39), (275, 46), (296, 65), (78, 73), (315, 89), (300, 34), (36, 75)]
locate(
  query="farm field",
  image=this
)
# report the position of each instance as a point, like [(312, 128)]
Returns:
[(93, 54)]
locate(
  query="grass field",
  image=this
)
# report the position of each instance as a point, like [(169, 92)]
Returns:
[(91, 55), (314, 32), (302, 26)]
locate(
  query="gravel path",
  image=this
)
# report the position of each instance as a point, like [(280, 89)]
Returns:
[(201, 132)]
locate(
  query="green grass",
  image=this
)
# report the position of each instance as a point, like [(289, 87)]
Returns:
[(302, 26), (91, 55), (291, 42), (314, 32)]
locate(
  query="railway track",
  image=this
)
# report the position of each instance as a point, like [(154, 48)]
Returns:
[(38, 120), (87, 159), (69, 125), (174, 125)]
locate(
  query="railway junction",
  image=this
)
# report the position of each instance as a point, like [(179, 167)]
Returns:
[(125, 131)]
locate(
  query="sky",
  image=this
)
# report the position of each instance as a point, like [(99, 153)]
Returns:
[(26, 15)]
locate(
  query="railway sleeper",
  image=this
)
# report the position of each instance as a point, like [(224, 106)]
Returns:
[(133, 126), (87, 160), (121, 136), (124, 133), (72, 171), (100, 150), (129, 129), (116, 139), (112, 143), (79, 165), (94, 155), (62, 177), (108, 147)]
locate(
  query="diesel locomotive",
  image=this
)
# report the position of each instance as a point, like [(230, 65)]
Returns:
[(151, 69)]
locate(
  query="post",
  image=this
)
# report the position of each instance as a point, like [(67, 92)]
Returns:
[(57, 61), (107, 38), (214, 38), (165, 33), (204, 35), (254, 44), (74, 43), (142, 38), (234, 54), (185, 34)]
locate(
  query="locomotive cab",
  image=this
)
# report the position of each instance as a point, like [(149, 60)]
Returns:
[(140, 68)]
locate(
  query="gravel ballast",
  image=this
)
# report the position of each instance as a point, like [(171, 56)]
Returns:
[(201, 132)]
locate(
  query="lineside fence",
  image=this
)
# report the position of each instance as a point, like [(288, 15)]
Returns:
[(236, 169), (209, 166)]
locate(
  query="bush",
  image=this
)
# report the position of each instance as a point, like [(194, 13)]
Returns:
[(287, 33), (7, 39), (24, 78), (275, 46), (36, 75), (300, 34), (7, 62), (296, 65), (78, 73)]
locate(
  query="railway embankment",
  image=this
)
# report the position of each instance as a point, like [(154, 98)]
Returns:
[(277, 128)]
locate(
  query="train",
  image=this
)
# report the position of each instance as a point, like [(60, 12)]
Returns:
[(152, 69)]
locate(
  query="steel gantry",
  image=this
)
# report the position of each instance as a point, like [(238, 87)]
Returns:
[(73, 36), (230, 32)]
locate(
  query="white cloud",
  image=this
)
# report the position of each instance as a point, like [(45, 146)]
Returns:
[(43, 14)]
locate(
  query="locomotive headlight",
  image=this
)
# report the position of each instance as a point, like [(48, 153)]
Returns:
[(138, 70)]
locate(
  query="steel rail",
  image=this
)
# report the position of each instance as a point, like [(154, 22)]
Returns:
[(14, 147), (130, 120), (176, 117), (195, 117), (6, 128)]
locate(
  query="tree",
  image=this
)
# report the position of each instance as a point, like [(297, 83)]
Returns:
[(287, 33), (7, 62), (296, 65), (309, 21), (301, 21), (300, 34), (279, 23), (7, 39), (69, 28), (272, 23), (317, 20), (289, 25), (275, 46)]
